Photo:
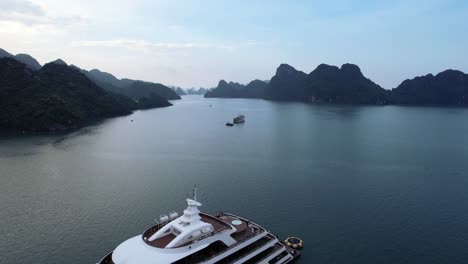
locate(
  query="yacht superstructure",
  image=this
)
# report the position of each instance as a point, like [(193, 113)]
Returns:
[(239, 119), (197, 237)]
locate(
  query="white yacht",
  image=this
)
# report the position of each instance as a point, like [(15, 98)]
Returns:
[(239, 119), (196, 237)]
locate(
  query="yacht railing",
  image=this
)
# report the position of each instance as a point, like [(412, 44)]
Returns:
[(256, 232), (152, 229)]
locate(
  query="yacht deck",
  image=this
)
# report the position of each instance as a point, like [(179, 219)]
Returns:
[(162, 242), (268, 247)]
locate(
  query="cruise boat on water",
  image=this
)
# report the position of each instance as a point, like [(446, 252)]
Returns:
[(239, 119), (197, 237)]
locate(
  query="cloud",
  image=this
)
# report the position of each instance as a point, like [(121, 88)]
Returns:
[(30, 14), (143, 44), (21, 6)]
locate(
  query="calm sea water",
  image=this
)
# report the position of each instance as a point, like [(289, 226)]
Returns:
[(357, 184)]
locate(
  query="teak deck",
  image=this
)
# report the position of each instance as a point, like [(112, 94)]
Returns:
[(218, 226)]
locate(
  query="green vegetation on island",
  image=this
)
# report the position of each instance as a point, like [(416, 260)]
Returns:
[(132, 88), (347, 85), (58, 97), (255, 89)]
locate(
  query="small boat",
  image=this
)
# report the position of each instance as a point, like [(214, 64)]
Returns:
[(229, 124), (239, 119)]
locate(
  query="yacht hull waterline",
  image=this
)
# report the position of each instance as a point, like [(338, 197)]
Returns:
[(197, 237)]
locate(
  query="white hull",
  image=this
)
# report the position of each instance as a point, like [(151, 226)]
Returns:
[(195, 237)]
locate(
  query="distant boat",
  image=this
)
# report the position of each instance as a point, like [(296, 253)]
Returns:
[(229, 124), (239, 119)]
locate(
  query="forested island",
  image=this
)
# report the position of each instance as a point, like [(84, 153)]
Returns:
[(57, 97), (347, 85), (255, 89)]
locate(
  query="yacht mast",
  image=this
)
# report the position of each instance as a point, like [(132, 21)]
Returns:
[(195, 193)]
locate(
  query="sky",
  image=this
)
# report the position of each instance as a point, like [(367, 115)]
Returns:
[(192, 43)]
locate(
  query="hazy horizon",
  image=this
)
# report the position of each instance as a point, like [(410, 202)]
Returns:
[(197, 43)]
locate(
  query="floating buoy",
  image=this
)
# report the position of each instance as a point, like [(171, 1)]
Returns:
[(294, 242)]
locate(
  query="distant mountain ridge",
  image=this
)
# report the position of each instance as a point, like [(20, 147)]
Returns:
[(32, 63), (58, 97), (347, 85), (449, 88), (188, 91), (4, 53), (179, 91), (132, 88), (326, 84), (254, 89), (28, 60), (199, 91)]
